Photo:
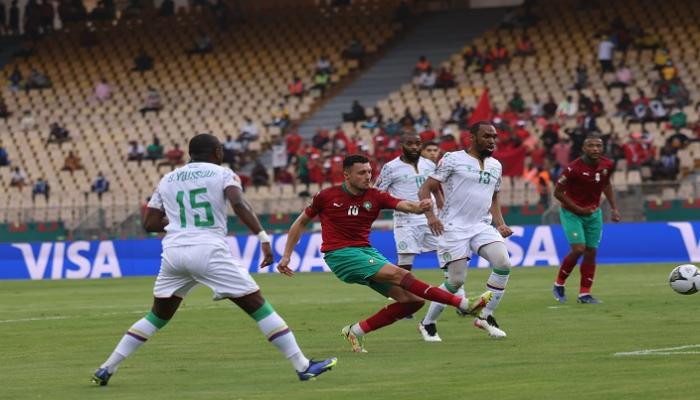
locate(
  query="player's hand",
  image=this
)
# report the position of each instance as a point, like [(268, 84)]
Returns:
[(504, 230), (616, 217), (425, 205), (586, 211), (267, 254), (283, 267), (436, 226)]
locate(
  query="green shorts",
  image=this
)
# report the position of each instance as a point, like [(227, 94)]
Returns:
[(581, 229), (357, 265)]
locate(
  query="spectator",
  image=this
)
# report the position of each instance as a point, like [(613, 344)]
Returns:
[(581, 80), (249, 132), (471, 56), (427, 79), (320, 139), (536, 110), (202, 44), (646, 40), (27, 122), (562, 152), (422, 66), (232, 148), (302, 168), (18, 178), (323, 65), (448, 142), (431, 151), (625, 107), (516, 104), (173, 157), (392, 127), (459, 112), (356, 114), (259, 174), (143, 61), (658, 111), (668, 165), (550, 137), (524, 46), (154, 151), (375, 120), (321, 81), (4, 112), (678, 119), (445, 79), (669, 72), (4, 157), (72, 163), (550, 107), (597, 108), (167, 8), (103, 91), (500, 55), (15, 79), (153, 102), (41, 187), (293, 145), (280, 116), (88, 36), (623, 77), (279, 156), (677, 141), (296, 87), (567, 108), (58, 134), (284, 177), (407, 119), (605, 55), (356, 51), (37, 80), (636, 152), (661, 57), (100, 185), (135, 152)]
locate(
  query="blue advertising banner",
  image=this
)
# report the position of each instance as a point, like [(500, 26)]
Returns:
[(529, 245)]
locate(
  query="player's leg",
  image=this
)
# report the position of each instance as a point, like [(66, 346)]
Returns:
[(278, 333), (496, 254), (230, 280), (593, 228), (573, 229), (172, 285), (455, 276)]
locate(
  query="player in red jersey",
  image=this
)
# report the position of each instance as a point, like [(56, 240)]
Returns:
[(579, 189), (347, 213)]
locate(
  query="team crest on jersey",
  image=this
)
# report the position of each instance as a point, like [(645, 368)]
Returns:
[(605, 171), (367, 205), (403, 245)]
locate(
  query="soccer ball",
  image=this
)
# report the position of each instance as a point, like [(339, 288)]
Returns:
[(685, 279)]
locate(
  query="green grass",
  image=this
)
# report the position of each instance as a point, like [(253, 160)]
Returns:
[(214, 351)]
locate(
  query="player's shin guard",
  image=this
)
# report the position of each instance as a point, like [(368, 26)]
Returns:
[(279, 334), (388, 315), (134, 338), (425, 291), (567, 265), (587, 275), (497, 285)]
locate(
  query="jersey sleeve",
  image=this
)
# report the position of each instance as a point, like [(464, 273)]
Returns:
[(316, 205), (156, 200), (566, 176), (386, 200), (445, 168), (231, 179), (384, 179)]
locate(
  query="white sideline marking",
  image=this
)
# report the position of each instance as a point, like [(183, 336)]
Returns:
[(668, 351), (59, 317), (556, 307)]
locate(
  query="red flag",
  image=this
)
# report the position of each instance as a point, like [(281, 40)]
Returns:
[(483, 111)]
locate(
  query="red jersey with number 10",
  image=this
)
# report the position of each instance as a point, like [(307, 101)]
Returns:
[(346, 219), (583, 183)]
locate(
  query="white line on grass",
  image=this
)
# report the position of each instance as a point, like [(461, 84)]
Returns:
[(556, 307), (668, 351), (59, 317)]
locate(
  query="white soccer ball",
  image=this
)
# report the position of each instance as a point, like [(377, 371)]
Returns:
[(685, 279)]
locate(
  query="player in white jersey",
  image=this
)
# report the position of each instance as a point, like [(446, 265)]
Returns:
[(190, 205), (470, 181)]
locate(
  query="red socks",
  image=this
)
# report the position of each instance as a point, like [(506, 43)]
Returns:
[(567, 265), (587, 274), (388, 315), (423, 290)]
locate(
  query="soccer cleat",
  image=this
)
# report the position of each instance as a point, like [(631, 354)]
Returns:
[(101, 376), (429, 332), (476, 304), (316, 368), (558, 292), (588, 299), (490, 325), (357, 342)]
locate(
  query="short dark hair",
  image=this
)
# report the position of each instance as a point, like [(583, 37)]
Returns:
[(349, 161), (431, 143), (202, 146), (474, 129), (407, 134)]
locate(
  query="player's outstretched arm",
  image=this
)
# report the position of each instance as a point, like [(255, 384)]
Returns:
[(431, 186), (415, 207), (497, 215), (610, 195), (292, 239), (154, 220), (244, 211)]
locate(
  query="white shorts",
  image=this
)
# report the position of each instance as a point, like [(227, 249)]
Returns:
[(183, 267), (414, 239), (455, 245)]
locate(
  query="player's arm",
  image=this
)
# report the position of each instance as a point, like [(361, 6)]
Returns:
[(415, 207), (610, 195), (560, 194), (293, 237), (244, 211), (431, 187), (154, 220), (497, 216)]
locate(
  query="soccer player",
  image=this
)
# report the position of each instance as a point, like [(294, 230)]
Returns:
[(431, 151), (578, 189), (347, 212), (470, 180), (190, 205)]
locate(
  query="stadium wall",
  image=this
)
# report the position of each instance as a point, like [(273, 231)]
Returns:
[(530, 245)]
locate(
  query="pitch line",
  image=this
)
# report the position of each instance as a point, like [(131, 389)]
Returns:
[(668, 351)]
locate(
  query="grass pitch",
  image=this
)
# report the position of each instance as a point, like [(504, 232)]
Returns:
[(53, 334)]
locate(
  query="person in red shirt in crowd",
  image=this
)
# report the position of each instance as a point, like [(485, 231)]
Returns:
[(347, 212), (173, 157), (380, 142), (448, 142), (465, 139), (520, 131), (340, 140), (423, 65), (538, 155), (296, 87), (445, 79), (524, 46), (637, 153), (500, 54), (316, 174), (336, 169), (293, 141), (283, 176), (428, 135)]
